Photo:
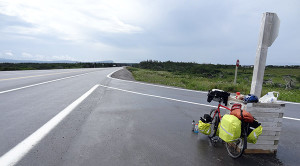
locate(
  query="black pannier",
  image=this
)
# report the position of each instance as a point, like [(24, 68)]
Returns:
[(206, 118)]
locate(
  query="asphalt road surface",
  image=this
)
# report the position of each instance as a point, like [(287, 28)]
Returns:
[(84, 117)]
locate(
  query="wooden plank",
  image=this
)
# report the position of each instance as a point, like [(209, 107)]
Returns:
[(266, 119), (268, 105), (259, 151), (271, 124), (272, 128), (265, 142), (270, 133), (268, 137), (268, 115), (276, 110), (263, 147)]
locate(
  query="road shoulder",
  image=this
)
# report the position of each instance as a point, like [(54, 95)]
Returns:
[(123, 74)]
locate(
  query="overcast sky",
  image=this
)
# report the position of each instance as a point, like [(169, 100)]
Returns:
[(202, 31)]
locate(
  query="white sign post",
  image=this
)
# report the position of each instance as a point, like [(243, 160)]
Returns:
[(236, 68), (268, 33)]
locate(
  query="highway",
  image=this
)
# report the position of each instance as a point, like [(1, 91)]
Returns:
[(85, 117)]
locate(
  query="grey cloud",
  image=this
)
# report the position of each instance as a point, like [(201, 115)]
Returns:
[(196, 31), (12, 21)]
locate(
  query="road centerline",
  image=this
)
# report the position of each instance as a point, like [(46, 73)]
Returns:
[(14, 155), (33, 76), (46, 82)]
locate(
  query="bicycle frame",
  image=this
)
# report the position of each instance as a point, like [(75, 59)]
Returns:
[(218, 110), (239, 145)]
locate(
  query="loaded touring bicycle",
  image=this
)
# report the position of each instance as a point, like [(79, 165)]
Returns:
[(234, 129)]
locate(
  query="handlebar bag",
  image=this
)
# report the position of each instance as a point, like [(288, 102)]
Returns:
[(218, 95), (230, 128)]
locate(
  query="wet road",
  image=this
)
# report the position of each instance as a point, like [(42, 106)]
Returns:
[(118, 123)]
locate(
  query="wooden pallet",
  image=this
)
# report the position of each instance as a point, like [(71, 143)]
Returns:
[(270, 117)]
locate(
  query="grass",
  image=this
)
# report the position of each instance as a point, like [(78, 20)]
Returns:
[(225, 81)]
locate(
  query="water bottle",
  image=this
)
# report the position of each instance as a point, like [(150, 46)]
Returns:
[(193, 124), (196, 128)]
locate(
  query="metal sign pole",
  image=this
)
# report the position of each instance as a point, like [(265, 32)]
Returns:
[(268, 34)]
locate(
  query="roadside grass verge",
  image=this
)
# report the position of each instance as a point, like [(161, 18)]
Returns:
[(224, 82)]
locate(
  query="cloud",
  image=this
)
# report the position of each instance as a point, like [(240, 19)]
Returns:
[(26, 55), (135, 30), (8, 54), (38, 57), (67, 20)]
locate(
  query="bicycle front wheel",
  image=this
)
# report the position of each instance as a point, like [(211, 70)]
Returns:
[(214, 127), (236, 149)]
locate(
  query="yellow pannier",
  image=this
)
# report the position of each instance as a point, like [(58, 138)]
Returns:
[(230, 128), (253, 136), (204, 127), (218, 130)]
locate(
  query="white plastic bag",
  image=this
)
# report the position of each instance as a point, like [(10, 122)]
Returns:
[(269, 97)]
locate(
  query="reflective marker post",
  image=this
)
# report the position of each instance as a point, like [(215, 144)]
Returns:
[(268, 33), (268, 114)]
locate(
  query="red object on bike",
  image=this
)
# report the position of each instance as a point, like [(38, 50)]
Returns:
[(236, 106), (247, 117)]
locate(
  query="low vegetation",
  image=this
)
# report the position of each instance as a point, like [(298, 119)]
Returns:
[(44, 66), (284, 79)]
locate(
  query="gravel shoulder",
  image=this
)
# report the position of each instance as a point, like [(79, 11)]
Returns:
[(123, 74)]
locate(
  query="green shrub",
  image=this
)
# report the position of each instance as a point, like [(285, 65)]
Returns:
[(207, 76)]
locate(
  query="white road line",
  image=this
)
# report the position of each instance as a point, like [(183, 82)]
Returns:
[(167, 98), (109, 75), (291, 118), (288, 102), (161, 97), (11, 90), (161, 86), (42, 75), (13, 156)]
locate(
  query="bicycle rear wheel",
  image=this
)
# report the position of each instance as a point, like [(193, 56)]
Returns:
[(236, 149)]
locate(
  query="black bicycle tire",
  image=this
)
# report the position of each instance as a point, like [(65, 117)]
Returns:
[(212, 110), (212, 132), (244, 143), (214, 127)]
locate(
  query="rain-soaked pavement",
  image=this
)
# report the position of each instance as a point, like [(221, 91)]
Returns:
[(125, 123)]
